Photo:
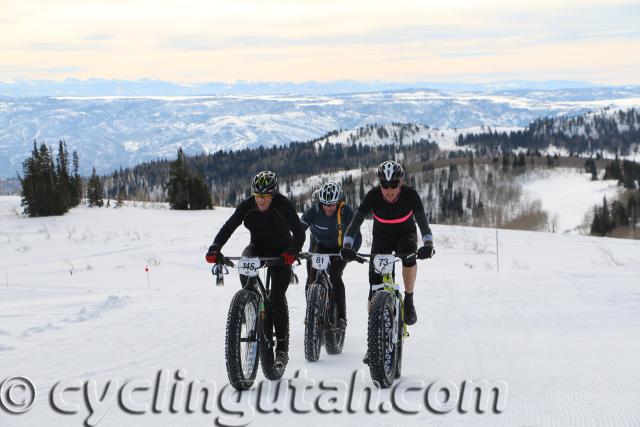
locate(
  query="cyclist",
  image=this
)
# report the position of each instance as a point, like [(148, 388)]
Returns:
[(327, 220), (275, 231), (395, 209), (312, 242)]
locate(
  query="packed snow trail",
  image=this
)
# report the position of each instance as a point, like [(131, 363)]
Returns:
[(559, 323)]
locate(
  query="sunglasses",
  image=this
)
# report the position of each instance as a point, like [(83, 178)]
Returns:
[(329, 205), (262, 196), (390, 184)]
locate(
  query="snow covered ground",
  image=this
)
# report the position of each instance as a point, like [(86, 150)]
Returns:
[(559, 323), (567, 194)]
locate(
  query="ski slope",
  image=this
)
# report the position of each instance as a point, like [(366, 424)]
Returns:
[(559, 322), (568, 195)]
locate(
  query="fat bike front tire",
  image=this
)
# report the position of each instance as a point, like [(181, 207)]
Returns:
[(242, 344), (383, 351), (313, 322)]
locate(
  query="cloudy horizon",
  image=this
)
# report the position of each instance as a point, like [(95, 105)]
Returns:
[(199, 41)]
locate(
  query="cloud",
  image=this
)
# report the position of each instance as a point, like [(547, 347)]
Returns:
[(67, 47), (49, 70), (98, 37), (500, 30)]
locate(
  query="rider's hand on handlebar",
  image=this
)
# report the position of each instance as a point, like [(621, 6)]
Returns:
[(288, 257), (213, 255), (425, 251), (347, 253)]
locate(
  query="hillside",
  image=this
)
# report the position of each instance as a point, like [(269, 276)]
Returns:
[(558, 321), (113, 132)]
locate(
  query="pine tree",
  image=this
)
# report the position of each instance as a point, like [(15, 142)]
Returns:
[(76, 187), (94, 190), (120, 198), (48, 182), (40, 184), (63, 182), (178, 193), (31, 184), (45, 185), (187, 190), (199, 196)]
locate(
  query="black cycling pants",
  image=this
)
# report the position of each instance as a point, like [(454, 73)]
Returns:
[(280, 276), (336, 268)]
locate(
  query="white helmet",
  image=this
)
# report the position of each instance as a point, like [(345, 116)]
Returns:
[(390, 171), (330, 193)]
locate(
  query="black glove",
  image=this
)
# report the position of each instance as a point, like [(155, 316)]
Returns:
[(214, 255), (425, 251), (347, 253)]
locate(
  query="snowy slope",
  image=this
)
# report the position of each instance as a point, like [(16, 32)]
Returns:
[(567, 194), (559, 322)]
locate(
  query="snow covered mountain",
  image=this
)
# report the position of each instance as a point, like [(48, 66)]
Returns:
[(109, 132)]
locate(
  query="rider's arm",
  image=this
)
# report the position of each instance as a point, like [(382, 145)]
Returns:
[(298, 231), (358, 218), (232, 223), (348, 217), (421, 219), (306, 219)]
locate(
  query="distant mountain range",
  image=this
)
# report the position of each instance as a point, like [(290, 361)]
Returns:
[(113, 131), (151, 87)]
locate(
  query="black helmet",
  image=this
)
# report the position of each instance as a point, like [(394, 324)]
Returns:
[(330, 193), (390, 171), (265, 182)]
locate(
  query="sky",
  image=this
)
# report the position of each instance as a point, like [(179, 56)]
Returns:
[(321, 40)]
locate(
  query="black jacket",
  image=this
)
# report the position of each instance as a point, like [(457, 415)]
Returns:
[(395, 219), (276, 230)]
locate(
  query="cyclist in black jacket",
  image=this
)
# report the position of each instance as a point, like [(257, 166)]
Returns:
[(275, 231), (328, 219), (395, 208)]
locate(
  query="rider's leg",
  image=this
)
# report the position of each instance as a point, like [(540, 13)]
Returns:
[(378, 246), (279, 284), (249, 251), (310, 271), (408, 245), (335, 274), (409, 278)]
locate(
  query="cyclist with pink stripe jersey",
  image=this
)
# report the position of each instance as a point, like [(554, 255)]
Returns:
[(395, 208)]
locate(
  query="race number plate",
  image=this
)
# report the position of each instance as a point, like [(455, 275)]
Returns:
[(248, 266), (320, 261), (384, 263)]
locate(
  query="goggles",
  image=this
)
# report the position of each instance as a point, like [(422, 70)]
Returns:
[(390, 184), (263, 196)]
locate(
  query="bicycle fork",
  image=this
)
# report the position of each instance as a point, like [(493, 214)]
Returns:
[(396, 318)]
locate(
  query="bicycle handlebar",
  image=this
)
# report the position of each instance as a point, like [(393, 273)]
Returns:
[(261, 258), (307, 255), (401, 256)]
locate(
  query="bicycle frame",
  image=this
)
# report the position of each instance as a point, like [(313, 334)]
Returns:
[(322, 277), (254, 283), (388, 284)]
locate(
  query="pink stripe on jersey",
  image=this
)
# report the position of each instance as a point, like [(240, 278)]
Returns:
[(393, 221)]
